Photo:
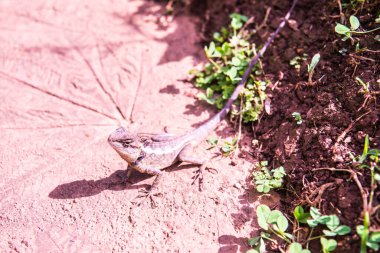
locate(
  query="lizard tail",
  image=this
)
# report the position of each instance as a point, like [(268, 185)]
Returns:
[(213, 122)]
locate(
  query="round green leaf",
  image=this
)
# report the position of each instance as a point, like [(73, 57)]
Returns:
[(354, 22), (375, 237), (314, 212), (360, 230), (262, 212), (328, 245), (329, 233), (253, 241), (282, 223), (333, 222), (273, 216), (373, 245), (341, 29), (342, 230), (295, 247)]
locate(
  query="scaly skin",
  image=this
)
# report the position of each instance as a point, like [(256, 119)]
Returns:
[(149, 153)]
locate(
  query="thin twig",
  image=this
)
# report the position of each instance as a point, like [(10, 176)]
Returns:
[(348, 129)]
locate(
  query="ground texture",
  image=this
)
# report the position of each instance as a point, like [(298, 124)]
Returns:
[(70, 73)]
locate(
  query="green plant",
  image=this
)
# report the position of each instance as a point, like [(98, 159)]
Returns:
[(369, 160), (229, 146), (311, 67), (297, 117), (229, 54), (296, 61), (275, 223), (347, 32), (266, 179), (213, 142)]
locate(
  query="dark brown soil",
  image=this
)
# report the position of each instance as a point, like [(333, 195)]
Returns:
[(331, 107)]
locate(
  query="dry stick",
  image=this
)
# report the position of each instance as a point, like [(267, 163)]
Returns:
[(265, 19), (341, 15), (356, 179), (348, 129), (319, 192)]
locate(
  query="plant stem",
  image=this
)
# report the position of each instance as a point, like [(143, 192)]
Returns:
[(280, 235), (214, 63), (354, 32), (315, 237)]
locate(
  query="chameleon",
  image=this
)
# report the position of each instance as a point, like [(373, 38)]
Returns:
[(151, 153)]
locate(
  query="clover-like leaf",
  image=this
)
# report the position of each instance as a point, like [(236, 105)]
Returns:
[(332, 222), (375, 237), (342, 230), (342, 29), (300, 214), (354, 22), (262, 212), (295, 247), (328, 245), (282, 223), (273, 216)]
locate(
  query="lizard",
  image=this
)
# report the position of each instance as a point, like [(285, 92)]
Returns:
[(151, 153)]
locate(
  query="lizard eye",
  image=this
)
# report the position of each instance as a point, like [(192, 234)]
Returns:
[(126, 142)]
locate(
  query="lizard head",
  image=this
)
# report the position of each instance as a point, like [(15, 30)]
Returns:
[(126, 144)]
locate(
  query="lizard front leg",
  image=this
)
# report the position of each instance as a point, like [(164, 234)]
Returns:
[(151, 192), (186, 156), (125, 176)]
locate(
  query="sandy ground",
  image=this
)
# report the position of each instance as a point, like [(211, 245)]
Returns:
[(70, 73)]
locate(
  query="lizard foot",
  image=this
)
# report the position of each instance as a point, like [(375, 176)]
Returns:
[(148, 194), (124, 176), (199, 176)]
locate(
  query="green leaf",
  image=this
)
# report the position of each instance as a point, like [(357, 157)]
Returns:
[(341, 29), (209, 92), (375, 237), (253, 241), (262, 212), (231, 73), (328, 245), (373, 245), (324, 219), (366, 145), (273, 216), (314, 62), (262, 246), (252, 251), (300, 214), (235, 61), (342, 230), (265, 235), (377, 177), (282, 223), (332, 222), (329, 233), (295, 247), (290, 236), (279, 172), (360, 230), (312, 223), (354, 22)]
